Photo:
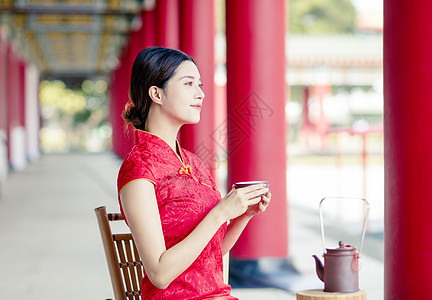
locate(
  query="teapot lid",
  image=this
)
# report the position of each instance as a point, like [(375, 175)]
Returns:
[(342, 249)]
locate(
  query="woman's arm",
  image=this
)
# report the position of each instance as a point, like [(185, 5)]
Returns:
[(163, 265), (237, 225)]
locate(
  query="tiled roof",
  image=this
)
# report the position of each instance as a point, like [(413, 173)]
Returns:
[(364, 50)]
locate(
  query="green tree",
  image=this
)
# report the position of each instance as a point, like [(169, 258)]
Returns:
[(321, 16)]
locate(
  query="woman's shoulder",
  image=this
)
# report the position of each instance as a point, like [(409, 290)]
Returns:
[(139, 154), (137, 164)]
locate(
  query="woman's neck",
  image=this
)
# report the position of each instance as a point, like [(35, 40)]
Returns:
[(162, 126), (169, 135)]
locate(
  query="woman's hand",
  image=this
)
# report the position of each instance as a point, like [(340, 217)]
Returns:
[(259, 196), (260, 206), (244, 200)]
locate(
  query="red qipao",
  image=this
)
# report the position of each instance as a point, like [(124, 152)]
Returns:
[(185, 194)]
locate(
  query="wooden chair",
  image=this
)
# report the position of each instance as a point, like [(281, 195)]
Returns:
[(124, 264)]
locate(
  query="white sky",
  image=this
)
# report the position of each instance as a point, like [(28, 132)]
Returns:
[(368, 5)]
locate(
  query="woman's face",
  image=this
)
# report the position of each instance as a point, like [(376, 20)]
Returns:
[(182, 96)]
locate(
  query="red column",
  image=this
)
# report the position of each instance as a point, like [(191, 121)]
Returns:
[(22, 111), (322, 125), (148, 31), (167, 27), (21, 91), (255, 32), (122, 141), (306, 124), (12, 96), (3, 108), (408, 148), (135, 46), (197, 31), (120, 80), (3, 87), (143, 37)]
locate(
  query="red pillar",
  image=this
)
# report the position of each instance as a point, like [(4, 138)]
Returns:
[(255, 32), (120, 80), (306, 125), (122, 140), (148, 31), (21, 91), (143, 37), (3, 108), (3, 87), (13, 112), (197, 31), (10, 97), (322, 125), (408, 148), (167, 27)]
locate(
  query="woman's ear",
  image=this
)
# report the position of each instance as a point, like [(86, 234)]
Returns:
[(155, 94)]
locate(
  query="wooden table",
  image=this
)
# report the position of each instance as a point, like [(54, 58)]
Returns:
[(320, 294)]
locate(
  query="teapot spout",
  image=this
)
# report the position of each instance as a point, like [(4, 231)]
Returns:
[(319, 268)]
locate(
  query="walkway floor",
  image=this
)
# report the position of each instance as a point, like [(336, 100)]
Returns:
[(50, 245)]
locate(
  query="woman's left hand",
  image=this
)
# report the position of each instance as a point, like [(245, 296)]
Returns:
[(260, 206)]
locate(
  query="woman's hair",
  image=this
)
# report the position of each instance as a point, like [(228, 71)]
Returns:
[(152, 67)]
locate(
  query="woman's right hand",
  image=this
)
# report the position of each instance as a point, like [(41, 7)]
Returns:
[(237, 201)]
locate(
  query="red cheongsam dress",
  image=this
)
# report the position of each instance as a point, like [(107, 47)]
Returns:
[(185, 194)]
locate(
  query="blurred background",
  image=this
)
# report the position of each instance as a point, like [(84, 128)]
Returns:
[(334, 68), (57, 60)]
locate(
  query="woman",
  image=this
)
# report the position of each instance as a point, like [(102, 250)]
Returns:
[(171, 203)]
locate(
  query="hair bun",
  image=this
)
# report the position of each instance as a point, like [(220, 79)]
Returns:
[(131, 115)]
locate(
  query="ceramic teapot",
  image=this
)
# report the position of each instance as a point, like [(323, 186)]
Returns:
[(340, 271)]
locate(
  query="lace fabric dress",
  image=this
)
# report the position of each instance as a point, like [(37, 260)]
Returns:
[(185, 193)]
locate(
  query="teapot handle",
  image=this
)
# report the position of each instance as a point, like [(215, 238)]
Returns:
[(366, 216)]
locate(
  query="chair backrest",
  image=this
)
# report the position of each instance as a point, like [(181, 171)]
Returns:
[(124, 264)]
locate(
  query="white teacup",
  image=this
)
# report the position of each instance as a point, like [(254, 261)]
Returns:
[(243, 184)]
